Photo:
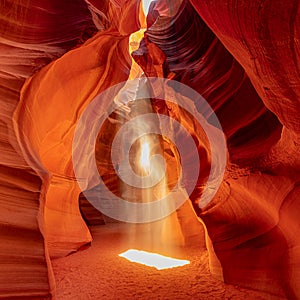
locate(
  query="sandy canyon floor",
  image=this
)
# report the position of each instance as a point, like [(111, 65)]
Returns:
[(99, 273)]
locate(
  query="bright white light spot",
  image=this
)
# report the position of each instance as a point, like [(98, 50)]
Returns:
[(146, 5), (155, 260), (145, 156)]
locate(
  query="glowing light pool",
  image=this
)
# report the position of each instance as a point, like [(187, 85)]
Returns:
[(155, 260)]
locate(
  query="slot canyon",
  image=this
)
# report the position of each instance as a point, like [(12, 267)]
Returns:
[(169, 127)]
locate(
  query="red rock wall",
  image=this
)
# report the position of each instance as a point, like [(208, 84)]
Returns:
[(32, 34), (263, 38), (251, 243)]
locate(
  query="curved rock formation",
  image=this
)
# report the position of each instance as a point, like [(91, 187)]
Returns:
[(254, 185), (50, 143), (32, 34), (266, 45)]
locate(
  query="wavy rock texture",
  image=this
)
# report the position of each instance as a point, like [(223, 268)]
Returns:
[(32, 34), (50, 142), (250, 210), (243, 57), (266, 44)]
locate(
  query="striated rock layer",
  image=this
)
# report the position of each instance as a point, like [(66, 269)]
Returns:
[(100, 63), (32, 34), (263, 37), (250, 222)]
